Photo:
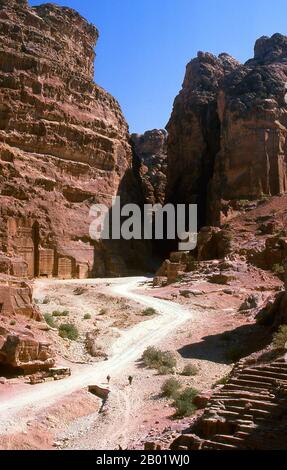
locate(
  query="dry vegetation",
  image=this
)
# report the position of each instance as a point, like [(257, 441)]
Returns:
[(84, 320)]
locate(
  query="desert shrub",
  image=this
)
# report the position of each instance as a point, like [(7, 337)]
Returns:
[(79, 291), (88, 316), (46, 301), (50, 320), (280, 338), (278, 269), (13, 322), (171, 388), (164, 370), (103, 311), (57, 313), (69, 331), (242, 203), (184, 403), (190, 371), (223, 381), (163, 361), (148, 312)]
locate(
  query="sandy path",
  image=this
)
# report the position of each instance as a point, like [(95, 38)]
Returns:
[(126, 350)]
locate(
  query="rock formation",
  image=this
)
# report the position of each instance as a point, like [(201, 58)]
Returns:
[(227, 132), (150, 152), (64, 144), (22, 345), (249, 412), (194, 131)]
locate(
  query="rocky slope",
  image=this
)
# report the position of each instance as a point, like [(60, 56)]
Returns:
[(227, 132), (64, 144)]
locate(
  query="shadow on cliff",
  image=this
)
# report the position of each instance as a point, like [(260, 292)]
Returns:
[(230, 346), (117, 258), (9, 372)]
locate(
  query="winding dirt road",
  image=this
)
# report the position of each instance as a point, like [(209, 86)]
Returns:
[(126, 349)]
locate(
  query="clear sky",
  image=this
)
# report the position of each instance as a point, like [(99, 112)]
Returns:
[(145, 45)]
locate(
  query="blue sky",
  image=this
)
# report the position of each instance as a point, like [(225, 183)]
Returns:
[(145, 45)]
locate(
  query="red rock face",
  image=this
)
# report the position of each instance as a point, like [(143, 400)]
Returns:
[(63, 142), (194, 131), (21, 351), (228, 130), (16, 299), (22, 345)]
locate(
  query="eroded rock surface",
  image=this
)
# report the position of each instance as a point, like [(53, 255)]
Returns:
[(150, 151), (23, 346), (227, 132), (64, 143)]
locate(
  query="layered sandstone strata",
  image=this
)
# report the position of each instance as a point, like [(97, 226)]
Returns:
[(228, 130), (63, 143)]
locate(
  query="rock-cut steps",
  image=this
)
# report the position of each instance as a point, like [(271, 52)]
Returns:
[(253, 399)]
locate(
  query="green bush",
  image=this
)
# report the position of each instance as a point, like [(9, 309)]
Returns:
[(69, 331), (88, 316), (171, 388), (280, 338), (46, 301), (163, 361), (184, 403), (163, 370), (50, 320), (149, 312), (57, 313), (190, 371), (13, 322)]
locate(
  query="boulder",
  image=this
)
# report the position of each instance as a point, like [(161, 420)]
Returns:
[(22, 346), (26, 353)]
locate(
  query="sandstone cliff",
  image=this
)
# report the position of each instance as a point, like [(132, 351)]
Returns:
[(150, 152), (194, 131), (227, 133), (63, 144)]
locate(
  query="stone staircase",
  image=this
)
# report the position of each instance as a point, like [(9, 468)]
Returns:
[(253, 401)]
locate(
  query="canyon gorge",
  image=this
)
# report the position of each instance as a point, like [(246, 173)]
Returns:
[(65, 145)]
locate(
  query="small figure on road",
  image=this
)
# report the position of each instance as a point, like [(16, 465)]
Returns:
[(108, 378), (131, 380)]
